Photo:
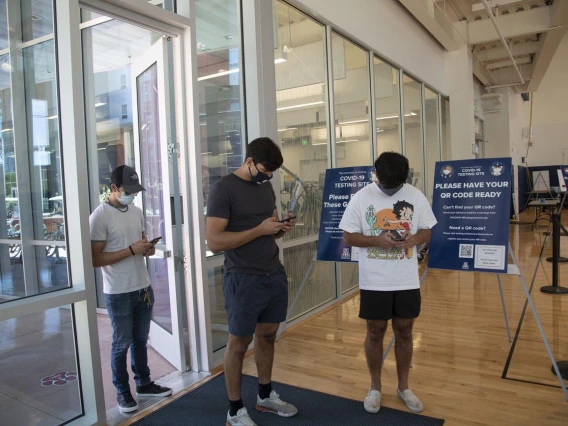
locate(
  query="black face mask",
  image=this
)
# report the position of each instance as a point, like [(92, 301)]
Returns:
[(260, 177), (390, 191)]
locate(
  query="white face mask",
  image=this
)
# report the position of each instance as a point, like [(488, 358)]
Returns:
[(126, 199)]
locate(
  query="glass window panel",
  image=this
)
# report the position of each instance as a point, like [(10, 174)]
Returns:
[(108, 89), (387, 105), (320, 287), (221, 119), (31, 175), (12, 285), (352, 88), (219, 322), (42, 346), (349, 276), (43, 138), (152, 180), (221, 114), (413, 131), (301, 110), (37, 18), (87, 15), (4, 43), (432, 138), (9, 205), (108, 83), (446, 130)]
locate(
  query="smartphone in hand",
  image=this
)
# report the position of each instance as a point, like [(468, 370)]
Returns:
[(396, 236), (155, 240), (288, 219)]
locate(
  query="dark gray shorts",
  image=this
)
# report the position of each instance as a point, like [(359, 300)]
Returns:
[(252, 299)]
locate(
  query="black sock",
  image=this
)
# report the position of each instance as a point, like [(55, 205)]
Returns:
[(264, 390), (235, 406)]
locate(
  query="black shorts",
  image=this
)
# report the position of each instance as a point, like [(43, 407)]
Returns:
[(384, 305), (253, 299)]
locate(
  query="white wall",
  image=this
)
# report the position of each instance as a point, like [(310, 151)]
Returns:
[(388, 28), (503, 131), (459, 75), (550, 113)]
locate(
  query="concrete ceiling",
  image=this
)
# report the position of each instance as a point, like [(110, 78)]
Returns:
[(532, 29)]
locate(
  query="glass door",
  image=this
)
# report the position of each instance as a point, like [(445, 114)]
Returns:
[(158, 173)]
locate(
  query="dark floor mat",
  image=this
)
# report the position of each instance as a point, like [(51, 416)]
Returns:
[(207, 406)]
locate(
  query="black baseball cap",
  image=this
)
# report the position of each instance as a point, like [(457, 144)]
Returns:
[(126, 177)]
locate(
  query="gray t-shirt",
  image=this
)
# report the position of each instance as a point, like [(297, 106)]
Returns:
[(119, 230), (245, 205)]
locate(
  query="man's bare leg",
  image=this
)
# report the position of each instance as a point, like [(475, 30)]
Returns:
[(374, 350), (264, 338), (234, 356), (403, 349)]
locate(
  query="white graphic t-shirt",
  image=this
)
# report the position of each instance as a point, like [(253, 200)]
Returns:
[(372, 213)]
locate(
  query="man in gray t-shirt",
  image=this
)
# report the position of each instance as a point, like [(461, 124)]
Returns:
[(119, 245), (243, 222)]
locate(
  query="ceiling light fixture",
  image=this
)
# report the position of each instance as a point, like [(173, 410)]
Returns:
[(53, 117), (6, 130), (218, 74), (318, 144), (287, 128), (99, 104), (299, 106), (350, 140), (221, 73), (353, 122), (396, 116)]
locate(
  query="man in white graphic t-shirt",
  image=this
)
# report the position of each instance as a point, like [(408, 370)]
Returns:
[(386, 221)]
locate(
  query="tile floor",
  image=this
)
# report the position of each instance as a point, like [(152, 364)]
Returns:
[(38, 382)]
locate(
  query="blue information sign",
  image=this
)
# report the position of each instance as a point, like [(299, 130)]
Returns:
[(472, 202), (340, 185), (565, 174)]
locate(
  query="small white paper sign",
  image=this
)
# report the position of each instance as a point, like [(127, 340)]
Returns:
[(490, 257)]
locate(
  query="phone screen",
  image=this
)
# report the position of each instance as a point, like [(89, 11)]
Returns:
[(155, 240)]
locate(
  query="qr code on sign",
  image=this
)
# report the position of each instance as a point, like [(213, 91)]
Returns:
[(466, 251)]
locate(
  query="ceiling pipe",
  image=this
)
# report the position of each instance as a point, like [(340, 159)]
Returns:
[(503, 41), (498, 86)]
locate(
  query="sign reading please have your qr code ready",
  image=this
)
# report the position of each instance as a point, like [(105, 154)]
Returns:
[(472, 203)]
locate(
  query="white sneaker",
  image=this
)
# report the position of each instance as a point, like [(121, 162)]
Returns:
[(241, 419), (273, 404), (412, 402), (373, 401)]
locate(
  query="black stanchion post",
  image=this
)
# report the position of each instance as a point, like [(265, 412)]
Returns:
[(555, 288)]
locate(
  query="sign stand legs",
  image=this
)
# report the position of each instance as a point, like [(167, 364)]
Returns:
[(555, 288), (504, 309), (389, 346), (307, 276), (538, 323)]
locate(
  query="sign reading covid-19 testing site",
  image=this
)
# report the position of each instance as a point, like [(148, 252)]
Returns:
[(472, 202), (340, 186)]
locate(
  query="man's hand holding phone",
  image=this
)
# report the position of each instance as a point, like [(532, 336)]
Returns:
[(151, 251), (288, 223), (408, 241)]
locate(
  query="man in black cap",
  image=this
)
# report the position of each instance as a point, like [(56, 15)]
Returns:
[(119, 244)]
